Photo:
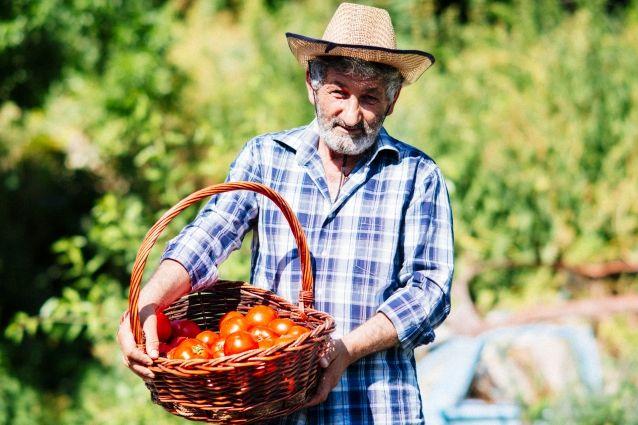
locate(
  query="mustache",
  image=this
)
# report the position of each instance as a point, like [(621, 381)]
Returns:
[(360, 126)]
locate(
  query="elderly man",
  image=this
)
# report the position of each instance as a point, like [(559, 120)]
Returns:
[(376, 214)]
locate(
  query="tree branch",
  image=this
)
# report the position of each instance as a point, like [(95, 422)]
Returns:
[(466, 320)]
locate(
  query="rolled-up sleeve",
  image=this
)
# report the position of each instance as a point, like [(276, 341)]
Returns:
[(422, 300), (220, 226)]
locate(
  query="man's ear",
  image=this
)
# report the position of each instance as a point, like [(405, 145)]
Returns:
[(311, 95), (396, 97)]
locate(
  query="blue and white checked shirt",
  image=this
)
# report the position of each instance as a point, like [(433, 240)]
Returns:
[(385, 245)]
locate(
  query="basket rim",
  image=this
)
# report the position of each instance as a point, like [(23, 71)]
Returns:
[(255, 357)]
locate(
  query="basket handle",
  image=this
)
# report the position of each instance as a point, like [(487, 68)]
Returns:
[(306, 296)]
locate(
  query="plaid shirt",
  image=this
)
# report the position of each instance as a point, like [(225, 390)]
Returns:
[(385, 245)]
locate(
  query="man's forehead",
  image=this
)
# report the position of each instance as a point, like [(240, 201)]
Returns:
[(334, 76)]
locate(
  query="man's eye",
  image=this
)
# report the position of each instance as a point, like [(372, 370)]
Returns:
[(370, 100), (337, 93)]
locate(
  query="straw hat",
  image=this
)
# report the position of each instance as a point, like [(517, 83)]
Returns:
[(362, 32)]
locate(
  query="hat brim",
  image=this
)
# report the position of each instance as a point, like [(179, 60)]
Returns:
[(410, 63)]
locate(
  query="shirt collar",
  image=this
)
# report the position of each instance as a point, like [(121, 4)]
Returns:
[(304, 142)]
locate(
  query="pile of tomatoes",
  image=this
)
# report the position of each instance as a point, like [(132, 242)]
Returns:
[(260, 327)]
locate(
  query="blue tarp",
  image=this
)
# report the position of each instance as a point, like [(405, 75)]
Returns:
[(446, 373)]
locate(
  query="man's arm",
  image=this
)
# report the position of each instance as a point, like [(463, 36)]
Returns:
[(422, 300), (376, 334), (220, 226), (408, 317)]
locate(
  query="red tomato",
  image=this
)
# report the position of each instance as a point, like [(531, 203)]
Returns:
[(296, 331), (229, 315), (164, 348), (186, 328), (284, 339), (266, 343), (176, 341), (261, 315), (261, 332), (163, 326), (209, 337), (290, 385), (171, 353), (218, 348), (167, 347), (232, 325), (281, 326), (191, 349), (219, 344), (218, 353), (239, 342)]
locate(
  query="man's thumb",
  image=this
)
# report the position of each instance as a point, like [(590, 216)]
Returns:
[(150, 333)]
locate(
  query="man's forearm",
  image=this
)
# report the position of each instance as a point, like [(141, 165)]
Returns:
[(169, 282), (377, 334)]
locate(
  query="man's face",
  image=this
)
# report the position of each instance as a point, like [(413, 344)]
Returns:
[(350, 111)]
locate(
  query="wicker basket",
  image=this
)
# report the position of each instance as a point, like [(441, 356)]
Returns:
[(249, 387)]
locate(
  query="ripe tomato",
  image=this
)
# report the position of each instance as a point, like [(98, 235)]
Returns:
[(281, 326), (219, 344), (207, 336), (171, 353), (217, 354), (218, 348), (296, 331), (266, 343), (229, 315), (164, 348), (232, 325), (261, 315), (284, 339), (239, 342), (186, 328), (176, 341), (290, 385), (163, 326), (190, 349), (261, 332)]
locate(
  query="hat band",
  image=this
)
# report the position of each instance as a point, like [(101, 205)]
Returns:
[(331, 45)]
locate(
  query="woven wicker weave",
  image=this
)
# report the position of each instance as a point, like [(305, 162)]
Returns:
[(248, 387)]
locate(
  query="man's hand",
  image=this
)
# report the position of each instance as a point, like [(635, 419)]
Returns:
[(374, 335), (335, 361), (170, 281), (134, 358)]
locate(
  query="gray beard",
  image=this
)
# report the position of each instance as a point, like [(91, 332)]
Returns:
[(345, 144)]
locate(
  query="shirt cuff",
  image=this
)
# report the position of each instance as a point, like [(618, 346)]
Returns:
[(414, 309), (189, 250)]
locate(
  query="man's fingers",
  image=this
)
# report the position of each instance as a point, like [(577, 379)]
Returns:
[(142, 371), (129, 347), (136, 355), (321, 395), (150, 332)]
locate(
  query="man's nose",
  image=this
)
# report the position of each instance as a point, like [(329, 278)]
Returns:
[(351, 114)]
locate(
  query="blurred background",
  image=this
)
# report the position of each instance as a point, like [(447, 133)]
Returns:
[(111, 111)]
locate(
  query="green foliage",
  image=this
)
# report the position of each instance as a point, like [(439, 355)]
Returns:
[(614, 408), (19, 404), (529, 110), (40, 39), (110, 395)]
